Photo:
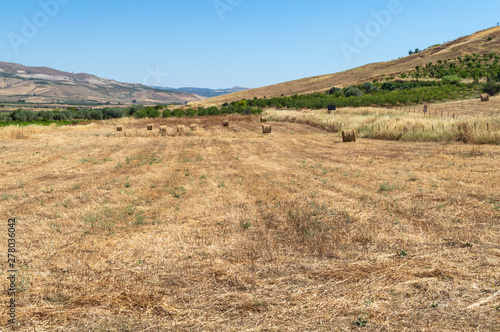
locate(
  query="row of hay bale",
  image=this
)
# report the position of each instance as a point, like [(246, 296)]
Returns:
[(266, 129), (347, 135), (163, 129)]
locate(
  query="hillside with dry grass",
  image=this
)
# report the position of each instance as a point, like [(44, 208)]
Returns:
[(227, 229), (480, 42), (47, 85)]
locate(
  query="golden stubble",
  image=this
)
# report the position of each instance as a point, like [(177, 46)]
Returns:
[(231, 229)]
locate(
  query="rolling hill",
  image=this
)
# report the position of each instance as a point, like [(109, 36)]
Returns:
[(46, 85), (479, 42)]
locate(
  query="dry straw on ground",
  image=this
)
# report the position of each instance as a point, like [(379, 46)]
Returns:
[(349, 135), (238, 233), (17, 132)]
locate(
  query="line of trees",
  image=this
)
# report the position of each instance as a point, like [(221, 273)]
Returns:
[(369, 94), (136, 111)]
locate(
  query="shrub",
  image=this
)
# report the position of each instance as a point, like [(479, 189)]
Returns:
[(389, 86), (491, 88), (167, 113), (152, 112), (18, 115), (368, 87), (215, 110), (178, 113), (191, 112), (353, 92), (96, 115), (202, 111), (68, 114), (133, 109), (82, 114), (334, 90), (451, 79), (112, 113), (60, 116), (45, 115), (141, 114)]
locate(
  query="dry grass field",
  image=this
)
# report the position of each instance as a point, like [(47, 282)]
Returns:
[(227, 229), (444, 122)]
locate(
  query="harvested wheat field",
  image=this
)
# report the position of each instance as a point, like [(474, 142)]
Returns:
[(234, 230)]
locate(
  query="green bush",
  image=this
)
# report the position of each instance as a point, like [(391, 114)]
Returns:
[(96, 115), (60, 116), (203, 111), (368, 87), (216, 111), (451, 79), (108, 113), (141, 114), (152, 112), (491, 88), (353, 92), (334, 90), (178, 113)]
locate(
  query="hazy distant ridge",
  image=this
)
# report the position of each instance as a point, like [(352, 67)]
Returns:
[(47, 85), (205, 92)]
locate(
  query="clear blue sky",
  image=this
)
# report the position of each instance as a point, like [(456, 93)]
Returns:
[(223, 43)]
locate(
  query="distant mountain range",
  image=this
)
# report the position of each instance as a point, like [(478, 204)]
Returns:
[(207, 93), (46, 85)]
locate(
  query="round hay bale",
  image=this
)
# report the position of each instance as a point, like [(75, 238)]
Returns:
[(485, 97), (262, 119), (181, 129), (266, 129), (225, 123), (194, 127), (163, 130), (150, 126), (119, 128), (349, 135)]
